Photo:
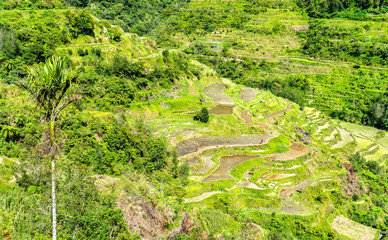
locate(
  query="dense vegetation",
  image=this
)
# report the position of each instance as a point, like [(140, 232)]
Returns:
[(373, 182), (107, 148), (350, 9)]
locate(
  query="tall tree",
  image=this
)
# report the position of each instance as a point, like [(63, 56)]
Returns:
[(52, 87)]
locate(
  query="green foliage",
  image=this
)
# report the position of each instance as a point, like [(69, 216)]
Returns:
[(122, 147), (82, 213), (81, 52), (9, 133), (334, 42), (329, 8), (35, 4), (80, 23), (202, 116), (140, 17), (375, 178), (51, 86), (122, 67)]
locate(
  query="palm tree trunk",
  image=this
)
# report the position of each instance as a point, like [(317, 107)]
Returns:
[(53, 190), (53, 194)]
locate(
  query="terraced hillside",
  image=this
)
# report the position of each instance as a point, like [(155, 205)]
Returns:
[(263, 166), (259, 153), (334, 65)]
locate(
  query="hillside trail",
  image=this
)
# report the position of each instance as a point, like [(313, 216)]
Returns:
[(201, 197), (271, 118)]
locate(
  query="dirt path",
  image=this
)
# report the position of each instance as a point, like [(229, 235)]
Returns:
[(201, 197), (227, 163), (271, 118), (208, 164), (196, 146), (290, 168), (295, 210), (281, 176), (296, 150), (247, 184)]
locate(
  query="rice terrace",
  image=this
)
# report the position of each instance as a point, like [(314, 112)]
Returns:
[(194, 119)]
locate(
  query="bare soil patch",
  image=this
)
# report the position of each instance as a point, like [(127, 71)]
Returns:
[(248, 94), (299, 187), (217, 93), (222, 110), (264, 175), (226, 164), (296, 150), (246, 116), (263, 125), (142, 218), (286, 192), (299, 28), (200, 144)]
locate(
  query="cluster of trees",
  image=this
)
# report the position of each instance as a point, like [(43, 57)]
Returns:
[(33, 4), (374, 114), (141, 17), (123, 146), (25, 41), (332, 42), (375, 177), (206, 20), (88, 144), (328, 8)]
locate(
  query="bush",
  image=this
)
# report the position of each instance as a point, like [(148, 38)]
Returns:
[(98, 52), (202, 116), (81, 52)]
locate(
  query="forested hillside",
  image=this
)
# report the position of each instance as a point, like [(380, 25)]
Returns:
[(193, 119)]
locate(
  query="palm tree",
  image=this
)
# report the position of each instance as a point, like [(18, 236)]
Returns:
[(51, 87)]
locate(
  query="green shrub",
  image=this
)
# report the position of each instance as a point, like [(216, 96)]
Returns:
[(97, 51), (81, 52), (202, 116)]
